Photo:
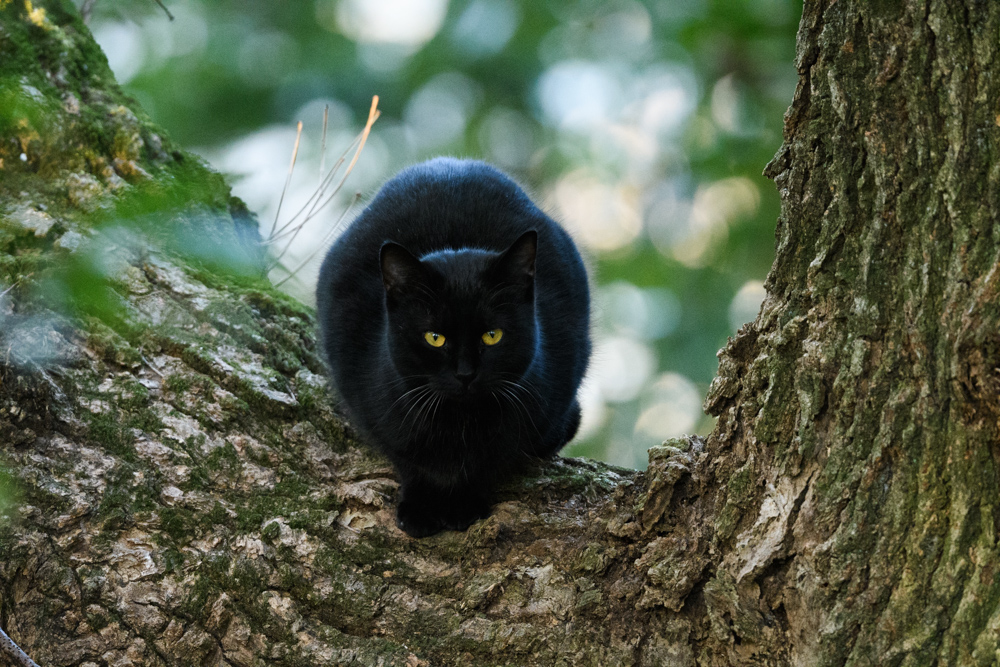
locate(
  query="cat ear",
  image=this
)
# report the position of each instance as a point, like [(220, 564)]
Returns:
[(517, 263), (399, 267)]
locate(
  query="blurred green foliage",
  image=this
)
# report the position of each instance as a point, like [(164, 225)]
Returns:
[(8, 496), (661, 114)]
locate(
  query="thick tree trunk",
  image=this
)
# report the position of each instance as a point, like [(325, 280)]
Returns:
[(859, 413), (187, 495)]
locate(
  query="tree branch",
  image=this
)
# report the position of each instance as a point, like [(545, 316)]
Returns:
[(13, 652)]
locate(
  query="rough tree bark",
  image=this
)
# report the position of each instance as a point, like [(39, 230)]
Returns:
[(859, 413), (187, 494)]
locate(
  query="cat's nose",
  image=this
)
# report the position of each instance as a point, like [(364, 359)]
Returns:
[(465, 372)]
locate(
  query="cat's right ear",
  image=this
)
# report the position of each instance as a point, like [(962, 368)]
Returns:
[(517, 263), (399, 267)]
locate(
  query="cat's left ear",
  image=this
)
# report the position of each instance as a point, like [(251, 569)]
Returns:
[(517, 263), (399, 267)]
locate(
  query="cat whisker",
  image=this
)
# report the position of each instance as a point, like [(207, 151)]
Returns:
[(519, 405), (531, 394), (417, 401), (423, 290), (404, 395), (499, 404), (403, 380), (420, 403), (498, 306), (436, 406), (464, 450), (500, 407), (432, 403), (426, 401), (519, 380)]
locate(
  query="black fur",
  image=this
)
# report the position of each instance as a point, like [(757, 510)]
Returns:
[(457, 248)]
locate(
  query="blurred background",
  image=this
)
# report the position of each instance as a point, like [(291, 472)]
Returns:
[(642, 126)]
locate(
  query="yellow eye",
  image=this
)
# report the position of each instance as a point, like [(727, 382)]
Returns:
[(433, 339), (493, 336)]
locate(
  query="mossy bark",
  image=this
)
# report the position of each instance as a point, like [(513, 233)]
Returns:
[(859, 412), (187, 494)]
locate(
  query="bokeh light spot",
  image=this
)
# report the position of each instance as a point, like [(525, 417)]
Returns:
[(621, 366), (486, 26), (507, 137), (129, 55), (406, 22), (670, 408), (437, 113), (578, 95), (648, 314), (688, 232), (746, 304), (602, 216)]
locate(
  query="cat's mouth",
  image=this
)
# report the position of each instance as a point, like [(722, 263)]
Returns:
[(460, 392), (465, 394)]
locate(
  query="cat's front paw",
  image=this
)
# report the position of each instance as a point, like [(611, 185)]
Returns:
[(460, 515), (418, 519)]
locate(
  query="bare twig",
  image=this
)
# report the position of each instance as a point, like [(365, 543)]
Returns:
[(313, 205), (288, 179), (309, 206), (151, 367), (4, 293), (165, 10), (318, 204), (322, 244), (322, 150), (373, 114), (13, 652)]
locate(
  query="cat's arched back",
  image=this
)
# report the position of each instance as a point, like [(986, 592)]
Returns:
[(455, 320)]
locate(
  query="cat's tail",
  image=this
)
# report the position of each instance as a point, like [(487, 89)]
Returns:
[(572, 422), (560, 436)]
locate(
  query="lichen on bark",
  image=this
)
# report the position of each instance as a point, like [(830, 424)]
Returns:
[(861, 404), (187, 493)]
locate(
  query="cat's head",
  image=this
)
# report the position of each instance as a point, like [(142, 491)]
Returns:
[(463, 321)]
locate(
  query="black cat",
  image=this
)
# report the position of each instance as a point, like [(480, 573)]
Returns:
[(455, 318)]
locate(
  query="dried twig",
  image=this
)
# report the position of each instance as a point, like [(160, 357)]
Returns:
[(316, 201), (151, 367), (313, 205), (288, 179), (13, 652), (165, 10), (4, 293), (322, 244), (316, 196), (322, 145)]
